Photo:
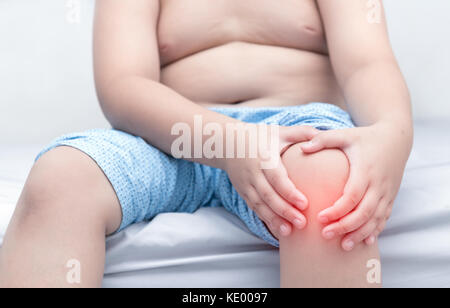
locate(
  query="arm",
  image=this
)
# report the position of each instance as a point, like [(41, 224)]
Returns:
[(364, 63), (378, 100)]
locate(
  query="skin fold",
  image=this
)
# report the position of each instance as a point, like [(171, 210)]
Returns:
[(158, 63)]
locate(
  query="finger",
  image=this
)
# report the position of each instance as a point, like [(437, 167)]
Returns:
[(326, 140), (299, 133), (277, 225), (389, 209), (363, 213), (355, 189), (270, 197), (365, 232), (372, 239), (354, 238), (283, 185)]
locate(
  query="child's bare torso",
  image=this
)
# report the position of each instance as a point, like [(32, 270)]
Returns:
[(251, 53)]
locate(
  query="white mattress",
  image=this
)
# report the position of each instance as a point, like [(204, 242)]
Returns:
[(212, 248)]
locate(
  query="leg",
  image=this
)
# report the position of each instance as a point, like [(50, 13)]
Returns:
[(65, 210), (308, 260), (71, 202)]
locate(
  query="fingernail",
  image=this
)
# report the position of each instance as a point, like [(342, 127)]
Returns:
[(329, 235), (299, 223), (284, 230), (348, 245), (371, 240), (301, 202), (309, 143), (323, 219)]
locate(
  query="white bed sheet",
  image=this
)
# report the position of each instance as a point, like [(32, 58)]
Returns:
[(212, 248)]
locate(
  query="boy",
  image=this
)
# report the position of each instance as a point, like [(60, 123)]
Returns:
[(160, 63)]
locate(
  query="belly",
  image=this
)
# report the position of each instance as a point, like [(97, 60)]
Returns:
[(248, 74)]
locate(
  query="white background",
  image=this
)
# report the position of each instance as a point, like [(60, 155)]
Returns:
[(46, 79)]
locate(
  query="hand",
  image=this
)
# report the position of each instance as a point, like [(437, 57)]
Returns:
[(269, 192), (377, 156)]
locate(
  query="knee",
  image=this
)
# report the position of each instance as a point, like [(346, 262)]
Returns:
[(320, 176), (60, 178)]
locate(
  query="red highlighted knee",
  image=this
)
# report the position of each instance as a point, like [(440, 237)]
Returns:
[(320, 176)]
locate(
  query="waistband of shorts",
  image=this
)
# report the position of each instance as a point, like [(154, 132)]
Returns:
[(327, 106)]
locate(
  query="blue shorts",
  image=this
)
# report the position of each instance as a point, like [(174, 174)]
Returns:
[(149, 182)]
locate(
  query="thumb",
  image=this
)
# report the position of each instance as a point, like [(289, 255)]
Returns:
[(325, 140), (299, 133)]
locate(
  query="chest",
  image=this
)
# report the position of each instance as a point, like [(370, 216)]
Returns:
[(189, 26)]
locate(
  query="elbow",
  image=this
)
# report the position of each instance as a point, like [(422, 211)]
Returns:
[(109, 110), (108, 96), (121, 99), (114, 114), (113, 120)]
